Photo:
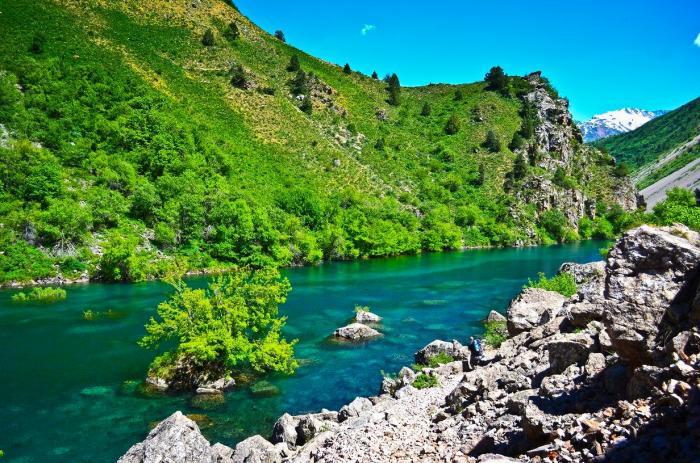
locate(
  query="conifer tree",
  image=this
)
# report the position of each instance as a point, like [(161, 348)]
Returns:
[(519, 167), (459, 96), (497, 80), (452, 126), (306, 104), (279, 35), (238, 77), (375, 76), (425, 111), (492, 142), (394, 89), (347, 69), (232, 33), (299, 84), (293, 65), (208, 38)]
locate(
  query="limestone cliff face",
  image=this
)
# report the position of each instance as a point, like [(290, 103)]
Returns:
[(557, 144), (610, 374)]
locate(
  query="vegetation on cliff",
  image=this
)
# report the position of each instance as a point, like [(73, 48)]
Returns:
[(144, 139)]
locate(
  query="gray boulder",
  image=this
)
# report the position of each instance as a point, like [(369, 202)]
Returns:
[(649, 271), (568, 349), (356, 332), (495, 317), (582, 313), (453, 349), (285, 430), (589, 278), (354, 408), (176, 439), (256, 450), (364, 316), (533, 307)]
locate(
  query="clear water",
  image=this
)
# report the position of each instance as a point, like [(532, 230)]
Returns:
[(63, 396)]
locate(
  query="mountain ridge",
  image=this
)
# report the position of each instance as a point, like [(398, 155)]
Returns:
[(616, 122)]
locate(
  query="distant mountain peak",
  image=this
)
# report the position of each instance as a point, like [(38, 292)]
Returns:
[(616, 122)]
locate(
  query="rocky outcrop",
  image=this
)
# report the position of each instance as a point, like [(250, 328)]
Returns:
[(453, 349), (365, 316), (356, 332), (551, 392), (533, 307), (186, 375), (177, 439)]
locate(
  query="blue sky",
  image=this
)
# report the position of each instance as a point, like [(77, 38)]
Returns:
[(602, 55)]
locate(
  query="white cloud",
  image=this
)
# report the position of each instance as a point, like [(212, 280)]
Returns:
[(697, 40), (370, 27)]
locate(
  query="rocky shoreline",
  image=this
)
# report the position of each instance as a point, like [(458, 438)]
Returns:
[(610, 374)]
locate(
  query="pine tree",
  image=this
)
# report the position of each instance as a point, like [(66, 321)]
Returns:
[(306, 104), (347, 69), (497, 80), (482, 175), (492, 142), (375, 76), (279, 35), (299, 84), (394, 89), (232, 33), (459, 96), (208, 38), (379, 145), (425, 111), (238, 77), (37, 45), (452, 126), (519, 167), (293, 65)]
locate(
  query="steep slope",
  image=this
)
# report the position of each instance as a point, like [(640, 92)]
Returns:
[(149, 137), (659, 147), (616, 122)]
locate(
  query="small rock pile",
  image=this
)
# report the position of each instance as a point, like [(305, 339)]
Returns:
[(611, 374)]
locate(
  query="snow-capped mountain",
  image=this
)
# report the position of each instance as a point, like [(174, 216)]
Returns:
[(615, 122)]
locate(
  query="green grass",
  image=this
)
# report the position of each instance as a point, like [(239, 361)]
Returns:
[(149, 153), (424, 381), (562, 283), (677, 163), (46, 295), (440, 358)]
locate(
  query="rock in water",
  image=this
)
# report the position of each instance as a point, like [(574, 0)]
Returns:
[(533, 307), (365, 316), (650, 271), (356, 332), (176, 439), (495, 317)]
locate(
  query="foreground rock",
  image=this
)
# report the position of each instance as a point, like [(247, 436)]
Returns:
[(533, 307), (623, 387), (176, 439), (356, 332)]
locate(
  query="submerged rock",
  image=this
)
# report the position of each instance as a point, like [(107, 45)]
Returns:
[(356, 332)]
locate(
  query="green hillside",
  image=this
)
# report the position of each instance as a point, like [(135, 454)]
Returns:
[(642, 148), (138, 138)]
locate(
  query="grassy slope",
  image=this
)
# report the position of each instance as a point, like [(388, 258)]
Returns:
[(645, 145), (228, 143)]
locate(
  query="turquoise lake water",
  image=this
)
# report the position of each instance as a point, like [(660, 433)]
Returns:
[(67, 385)]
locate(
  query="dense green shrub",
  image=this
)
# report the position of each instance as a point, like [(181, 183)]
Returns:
[(347, 69), (495, 332), (208, 38), (492, 143), (562, 283), (424, 381), (440, 358), (497, 80), (233, 324), (452, 126), (293, 65)]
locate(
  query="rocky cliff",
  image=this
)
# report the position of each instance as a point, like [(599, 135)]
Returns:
[(610, 374), (565, 174)]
